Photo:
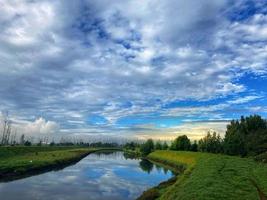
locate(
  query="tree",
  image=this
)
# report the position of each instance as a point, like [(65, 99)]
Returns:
[(13, 138), (194, 146), (6, 130), (158, 145), (22, 139), (210, 143), (52, 143), (39, 143), (234, 140), (27, 143), (181, 143), (130, 145), (246, 136), (147, 147), (165, 146)]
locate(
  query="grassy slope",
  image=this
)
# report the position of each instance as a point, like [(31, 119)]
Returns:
[(213, 176), (20, 160)]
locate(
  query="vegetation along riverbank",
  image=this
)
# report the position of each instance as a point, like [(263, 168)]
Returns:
[(22, 161), (233, 167), (209, 176)]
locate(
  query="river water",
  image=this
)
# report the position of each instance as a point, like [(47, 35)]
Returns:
[(101, 175)]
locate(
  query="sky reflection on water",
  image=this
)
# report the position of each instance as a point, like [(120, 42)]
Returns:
[(98, 176)]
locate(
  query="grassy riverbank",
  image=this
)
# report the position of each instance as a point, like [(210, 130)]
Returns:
[(213, 176), (16, 162)]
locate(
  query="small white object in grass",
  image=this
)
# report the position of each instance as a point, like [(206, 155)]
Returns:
[(30, 161)]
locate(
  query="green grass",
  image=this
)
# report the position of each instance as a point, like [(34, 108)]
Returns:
[(16, 161), (8, 151), (213, 176)]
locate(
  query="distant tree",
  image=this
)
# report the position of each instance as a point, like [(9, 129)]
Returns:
[(165, 146), (52, 143), (210, 143), (130, 145), (6, 129), (147, 147), (158, 145), (22, 139), (194, 146), (39, 143), (181, 143), (13, 138), (27, 143)]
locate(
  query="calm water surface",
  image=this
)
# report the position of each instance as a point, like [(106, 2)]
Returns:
[(98, 176)]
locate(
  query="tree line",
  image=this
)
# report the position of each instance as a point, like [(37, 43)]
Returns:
[(244, 137)]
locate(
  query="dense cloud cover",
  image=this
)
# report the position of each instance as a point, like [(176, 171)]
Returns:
[(132, 67)]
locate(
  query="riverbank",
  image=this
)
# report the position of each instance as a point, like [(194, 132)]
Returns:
[(20, 162), (210, 177)]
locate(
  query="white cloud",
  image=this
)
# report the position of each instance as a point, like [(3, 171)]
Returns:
[(40, 126), (33, 130), (245, 99), (69, 60)]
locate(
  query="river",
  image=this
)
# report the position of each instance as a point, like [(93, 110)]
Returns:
[(99, 176)]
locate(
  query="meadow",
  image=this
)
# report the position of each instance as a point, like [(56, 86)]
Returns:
[(209, 176), (16, 162)]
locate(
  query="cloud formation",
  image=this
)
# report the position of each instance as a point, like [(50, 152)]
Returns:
[(67, 61), (40, 127)]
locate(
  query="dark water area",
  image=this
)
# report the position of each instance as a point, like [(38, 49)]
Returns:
[(102, 175)]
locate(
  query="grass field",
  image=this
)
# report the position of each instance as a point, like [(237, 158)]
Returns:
[(213, 176), (16, 161)]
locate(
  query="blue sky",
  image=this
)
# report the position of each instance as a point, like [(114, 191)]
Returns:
[(133, 69)]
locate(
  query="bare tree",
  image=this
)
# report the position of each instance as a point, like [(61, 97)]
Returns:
[(46, 139), (13, 138), (6, 130), (22, 139)]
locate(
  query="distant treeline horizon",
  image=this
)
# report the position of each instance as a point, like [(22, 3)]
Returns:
[(244, 137), (248, 135)]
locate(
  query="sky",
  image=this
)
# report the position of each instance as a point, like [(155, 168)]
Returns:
[(133, 69)]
